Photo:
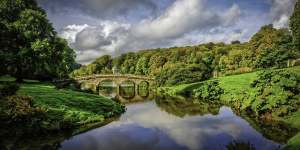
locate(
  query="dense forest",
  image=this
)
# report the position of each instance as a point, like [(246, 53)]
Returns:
[(268, 48)]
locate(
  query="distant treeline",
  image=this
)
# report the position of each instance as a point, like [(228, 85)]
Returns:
[(269, 47)]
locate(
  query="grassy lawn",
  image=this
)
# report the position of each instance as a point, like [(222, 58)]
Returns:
[(64, 107), (79, 107), (230, 84)]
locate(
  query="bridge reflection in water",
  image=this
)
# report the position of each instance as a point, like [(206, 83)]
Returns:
[(125, 88), (126, 92)]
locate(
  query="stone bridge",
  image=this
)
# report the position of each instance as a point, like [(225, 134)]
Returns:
[(93, 82)]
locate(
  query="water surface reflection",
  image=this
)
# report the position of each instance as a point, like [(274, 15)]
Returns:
[(126, 92), (147, 126)]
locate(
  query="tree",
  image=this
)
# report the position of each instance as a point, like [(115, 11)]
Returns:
[(103, 64), (29, 45), (272, 57), (235, 42), (142, 66), (295, 25)]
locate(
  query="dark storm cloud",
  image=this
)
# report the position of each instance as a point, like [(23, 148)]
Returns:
[(105, 9)]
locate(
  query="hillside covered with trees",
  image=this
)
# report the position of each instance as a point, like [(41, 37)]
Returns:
[(268, 48)]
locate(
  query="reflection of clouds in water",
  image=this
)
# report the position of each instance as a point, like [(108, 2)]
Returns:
[(188, 131), (145, 126), (127, 136)]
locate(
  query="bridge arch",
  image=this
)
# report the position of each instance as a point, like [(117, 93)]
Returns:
[(107, 87), (143, 88), (127, 89)]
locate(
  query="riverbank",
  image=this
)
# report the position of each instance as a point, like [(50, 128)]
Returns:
[(43, 107), (233, 86)]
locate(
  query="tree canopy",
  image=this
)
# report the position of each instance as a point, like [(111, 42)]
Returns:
[(30, 47), (295, 25)]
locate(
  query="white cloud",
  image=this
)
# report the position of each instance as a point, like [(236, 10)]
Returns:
[(118, 26), (91, 42), (69, 32), (232, 15), (280, 12), (178, 21), (91, 38), (183, 17)]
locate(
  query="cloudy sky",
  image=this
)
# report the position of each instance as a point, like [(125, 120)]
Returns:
[(97, 27)]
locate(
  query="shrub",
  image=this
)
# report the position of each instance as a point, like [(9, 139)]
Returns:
[(16, 108), (8, 89), (174, 74), (276, 91), (209, 90)]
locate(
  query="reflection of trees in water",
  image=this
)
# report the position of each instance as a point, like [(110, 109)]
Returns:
[(240, 145), (273, 130), (107, 91), (127, 89), (182, 107), (18, 137), (13, 137)]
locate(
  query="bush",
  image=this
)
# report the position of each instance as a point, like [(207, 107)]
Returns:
[(174, 74), (8, 89), (16, 108), (209, 90), (276, 91)]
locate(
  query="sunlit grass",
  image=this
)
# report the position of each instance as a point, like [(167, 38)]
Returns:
[(67, 105)]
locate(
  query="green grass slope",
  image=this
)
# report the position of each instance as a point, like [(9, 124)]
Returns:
[(64, 108), (77, 107)]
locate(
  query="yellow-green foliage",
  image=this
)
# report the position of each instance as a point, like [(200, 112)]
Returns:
[(209, 90)]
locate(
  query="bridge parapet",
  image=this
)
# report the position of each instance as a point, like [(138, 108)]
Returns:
[(112, 76)]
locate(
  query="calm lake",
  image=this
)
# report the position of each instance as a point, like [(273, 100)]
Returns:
[(166, 123)]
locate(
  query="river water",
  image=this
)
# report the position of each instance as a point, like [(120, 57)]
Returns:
[(168, 123), (159, 122)]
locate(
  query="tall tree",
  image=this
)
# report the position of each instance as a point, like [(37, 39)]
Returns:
[(295, 25), (29, 46)]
